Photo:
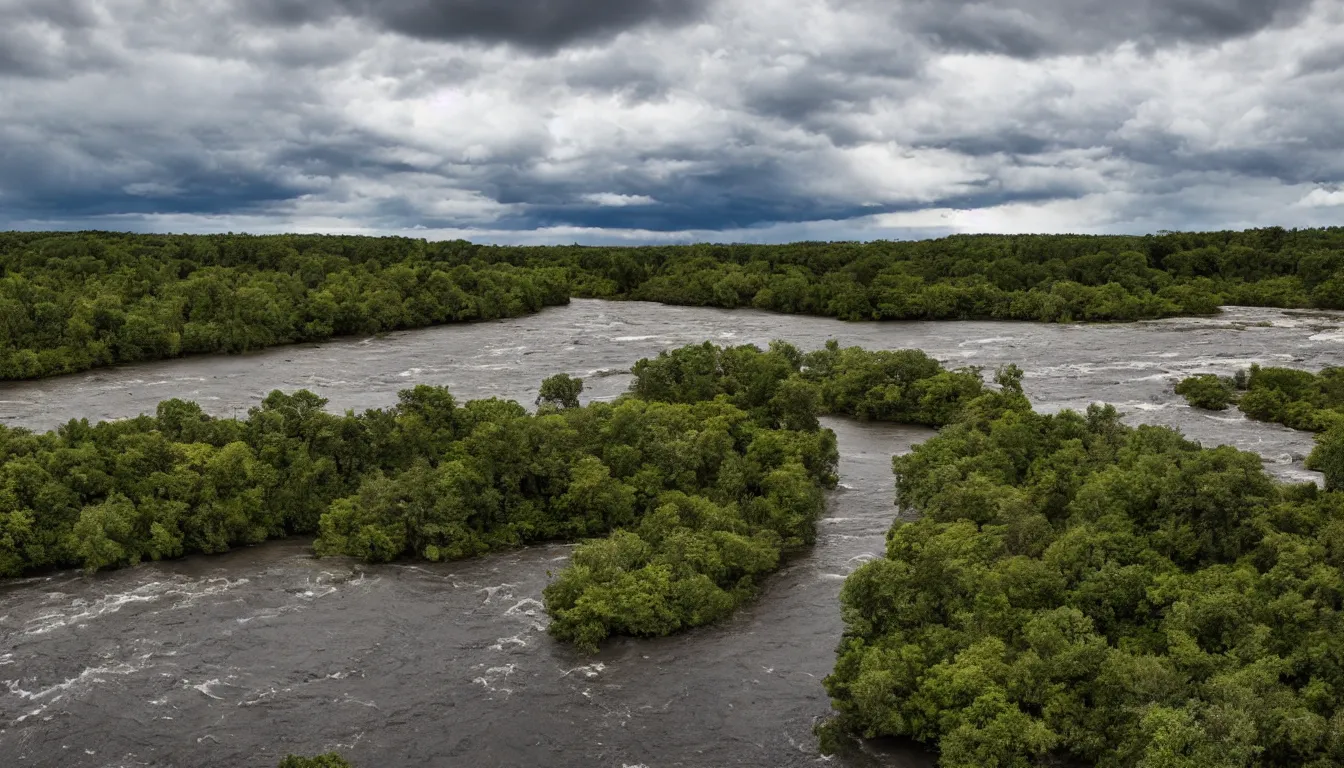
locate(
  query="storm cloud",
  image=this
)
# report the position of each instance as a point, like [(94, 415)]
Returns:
[(657, 120), (532, 23), (1032, 28)]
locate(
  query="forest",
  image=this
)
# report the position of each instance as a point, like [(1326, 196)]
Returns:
[(1313, 402), (685, 491), (79, 300), (1063, 589)]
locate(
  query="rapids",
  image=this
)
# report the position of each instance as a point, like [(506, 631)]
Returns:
[(236, 659)]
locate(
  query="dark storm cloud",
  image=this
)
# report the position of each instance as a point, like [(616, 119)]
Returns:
[(309, 111), (1032, 28), (540, 24), (815, 89)]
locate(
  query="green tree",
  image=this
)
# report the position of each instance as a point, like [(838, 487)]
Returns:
[(1207, 391), (561, 391)]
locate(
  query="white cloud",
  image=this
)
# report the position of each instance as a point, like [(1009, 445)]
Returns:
[(1322, 198), (613, 200)]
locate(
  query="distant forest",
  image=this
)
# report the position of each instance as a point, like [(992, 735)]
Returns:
[(74, 301)]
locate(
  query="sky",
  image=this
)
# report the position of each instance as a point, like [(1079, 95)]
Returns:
[(649, 121)]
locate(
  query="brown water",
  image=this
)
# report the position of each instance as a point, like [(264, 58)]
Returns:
[(236, 659)]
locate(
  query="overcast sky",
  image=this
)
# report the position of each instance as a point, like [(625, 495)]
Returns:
[(671, 120)]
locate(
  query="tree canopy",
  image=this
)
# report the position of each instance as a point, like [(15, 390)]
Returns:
[(73, 301), (1299, 399), (1078, 591), (688, 489)]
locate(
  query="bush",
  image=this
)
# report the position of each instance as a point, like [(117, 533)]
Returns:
[(1207, 391)]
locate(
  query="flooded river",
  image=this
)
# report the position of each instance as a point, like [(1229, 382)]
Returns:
[(235, 660)]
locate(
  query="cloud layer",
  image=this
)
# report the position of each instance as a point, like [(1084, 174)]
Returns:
[(543, 24), (670, 120)]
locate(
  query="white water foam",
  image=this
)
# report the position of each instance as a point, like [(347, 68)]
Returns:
[(589, 670), (54, 693), (516, 641), (500, 675), (206, 686), (506, 350), (990, 340), (81, 611), (526, 607), (490, 591)]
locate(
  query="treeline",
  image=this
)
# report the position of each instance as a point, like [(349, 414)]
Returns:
[(1076, 591), (1298, 399), (73, 301), (1051, 278), (700, 480)]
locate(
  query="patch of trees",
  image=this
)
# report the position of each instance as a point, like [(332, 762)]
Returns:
[(1076, 591), (73, 301), (692, 551), (1298, 399), (1207, 391), (689, 489), (785, 386)]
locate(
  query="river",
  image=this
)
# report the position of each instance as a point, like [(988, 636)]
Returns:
[(235, 660)]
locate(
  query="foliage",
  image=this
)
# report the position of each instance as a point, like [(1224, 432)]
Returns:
[(69, 302), (786, 387), (698, 492), (1298, 399), (560, 391), (1328, 457), (328, 760), (73, 301), (1207, 391), (1076, 590)]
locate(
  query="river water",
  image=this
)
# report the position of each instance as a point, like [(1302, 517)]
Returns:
[(235, 660)]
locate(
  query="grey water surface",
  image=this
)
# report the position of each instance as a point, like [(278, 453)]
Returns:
[(237, 659)]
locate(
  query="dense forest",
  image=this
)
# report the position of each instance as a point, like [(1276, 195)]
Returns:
[(74, 301), (1076, 591), (691, 487), (1299, 399)]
